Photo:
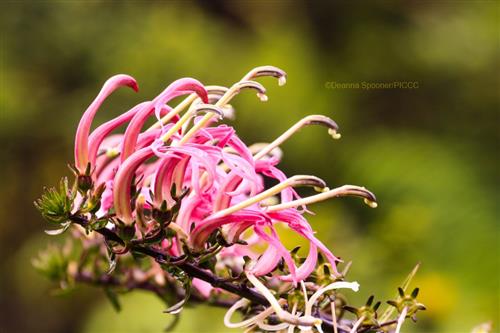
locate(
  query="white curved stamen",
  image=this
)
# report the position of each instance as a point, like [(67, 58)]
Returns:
[(272, 328), (266, 71), (211, 90), (179, 108), (304, 290), (336, 192), (335, 285), (334, 317), (356, 324), (306, 121), (401, 320), (290, 182), (248, 322), (291, 328), (305, 321), (230, 93)]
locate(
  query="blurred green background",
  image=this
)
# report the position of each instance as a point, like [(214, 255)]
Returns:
[(430, 154)]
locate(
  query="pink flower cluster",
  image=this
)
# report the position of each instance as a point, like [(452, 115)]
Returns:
[(221, 181)]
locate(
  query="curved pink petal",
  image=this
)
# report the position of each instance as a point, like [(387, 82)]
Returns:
[(298, 223), (267, 262), (82, 132), (274, 241), (203, 230), (101, 132), (164, 178), (307, 267), (123, 183)]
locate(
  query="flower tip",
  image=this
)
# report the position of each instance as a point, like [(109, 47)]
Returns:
[(282, 80), (134, 86), (262, 97), (317, 324), (321, 189), (370, 203), (335, 135), (112, 152), (267, 71), (126, 80), (209, 108), (317, 183)]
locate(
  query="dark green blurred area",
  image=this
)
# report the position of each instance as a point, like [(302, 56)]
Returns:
[(430, 154)]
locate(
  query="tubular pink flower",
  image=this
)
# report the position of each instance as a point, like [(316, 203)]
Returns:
[(177, 88), (101, 132), (202, 157), (188, 206), (307, 267), (123, 182), (274, 241), (299, 224), (223, 198), (163, 180), (202, 231), (216, 181), (267, 262), (82, 132)]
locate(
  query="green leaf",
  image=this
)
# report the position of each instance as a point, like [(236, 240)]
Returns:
[(177, 308), (58, 231), (113, 299)]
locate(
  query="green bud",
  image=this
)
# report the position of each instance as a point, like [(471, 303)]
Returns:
[(55, 205)]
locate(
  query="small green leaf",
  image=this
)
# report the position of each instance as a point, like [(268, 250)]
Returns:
[(113, 299), (177, 308), (58, 231)]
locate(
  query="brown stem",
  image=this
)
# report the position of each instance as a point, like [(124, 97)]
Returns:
[(191, 269)]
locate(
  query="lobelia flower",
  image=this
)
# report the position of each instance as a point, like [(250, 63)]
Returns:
[(195, 176)]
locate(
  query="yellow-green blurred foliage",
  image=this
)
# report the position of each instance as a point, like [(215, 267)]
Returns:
[(429, 153)]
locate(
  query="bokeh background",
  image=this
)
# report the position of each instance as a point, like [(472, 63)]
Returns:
[(430, 154)]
